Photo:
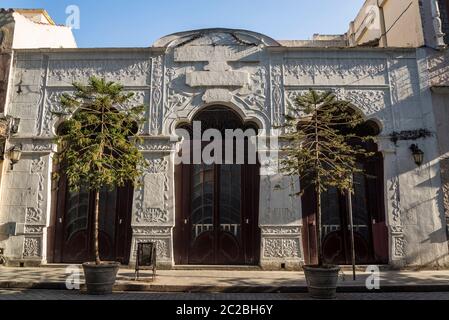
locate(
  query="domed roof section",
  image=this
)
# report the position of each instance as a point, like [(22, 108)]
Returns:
[(216, 36)]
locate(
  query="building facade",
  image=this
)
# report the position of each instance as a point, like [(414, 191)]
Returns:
[(247, 216)]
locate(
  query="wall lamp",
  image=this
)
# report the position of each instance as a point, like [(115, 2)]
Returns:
[(418, 154), (14, 155)]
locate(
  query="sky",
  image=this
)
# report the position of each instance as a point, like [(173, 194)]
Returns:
[(139, 23)]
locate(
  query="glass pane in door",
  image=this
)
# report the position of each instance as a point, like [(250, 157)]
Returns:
[(77, 210), (202, 215), (330, 212), (230, 198), (361, 219), (108, 211)]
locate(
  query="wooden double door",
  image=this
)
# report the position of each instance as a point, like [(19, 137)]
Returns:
[(370, 230), (75, 223), (217, 215)]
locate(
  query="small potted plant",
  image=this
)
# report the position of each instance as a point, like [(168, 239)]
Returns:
[(97, 150), (316, 147)]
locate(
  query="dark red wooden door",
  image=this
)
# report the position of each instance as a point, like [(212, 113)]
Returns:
[(74, 225), (218, 222), (370, 234)]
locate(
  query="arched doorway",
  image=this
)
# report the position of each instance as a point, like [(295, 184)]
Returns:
[(217, 204), (370, 230)]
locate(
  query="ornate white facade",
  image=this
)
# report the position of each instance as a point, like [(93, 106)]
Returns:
[(256, 77)]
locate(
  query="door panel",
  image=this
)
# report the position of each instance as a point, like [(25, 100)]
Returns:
[(370, 234), (75, 221), (218, 225), (230, 242), (202, 217)]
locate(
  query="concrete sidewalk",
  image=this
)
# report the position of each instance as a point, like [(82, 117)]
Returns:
[(226, 280)]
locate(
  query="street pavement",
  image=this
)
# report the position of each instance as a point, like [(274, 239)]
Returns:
[(226, 281), (32, 294)]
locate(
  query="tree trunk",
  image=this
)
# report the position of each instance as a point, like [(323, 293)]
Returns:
[(318, 226), (96, 227)]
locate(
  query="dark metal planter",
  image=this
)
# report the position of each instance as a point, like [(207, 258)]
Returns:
[(322, 281), (100, 279)]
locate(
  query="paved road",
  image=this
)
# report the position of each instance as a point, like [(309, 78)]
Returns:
[(74, 295)]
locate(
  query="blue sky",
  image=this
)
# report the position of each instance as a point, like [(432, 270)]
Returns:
[(138, 23)]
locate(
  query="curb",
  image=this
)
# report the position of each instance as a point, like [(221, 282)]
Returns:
[(121, 287)]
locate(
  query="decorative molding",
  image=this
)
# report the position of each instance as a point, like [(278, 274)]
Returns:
[(277, 110), (368, 101), (157, 165), (146, 230), (280, 230), (157, 146), (399, 245), (396, 226), (152, 215), (32, 248), (217, 95), (334, 69), (37, 165), (276, 248), (121, 70), (254, 95), (395, 201), (30, 229), (33, 215), (42, 113), (157, 93)]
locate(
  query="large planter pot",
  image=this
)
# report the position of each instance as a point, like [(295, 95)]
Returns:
[(322, 281), (100, 278)]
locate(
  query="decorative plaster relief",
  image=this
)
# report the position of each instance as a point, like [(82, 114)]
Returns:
[(34, 229), (438, 66), (151, 199), (277, 97), (145, 230), (399, 245), (33, 215), (152, 215), (396, 226), (281, 248), (280, 230), (335, 71), (157, 97), (32, 248), (217, 95), (52, 108), (217, 79), (370, 102), (126, 71)]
